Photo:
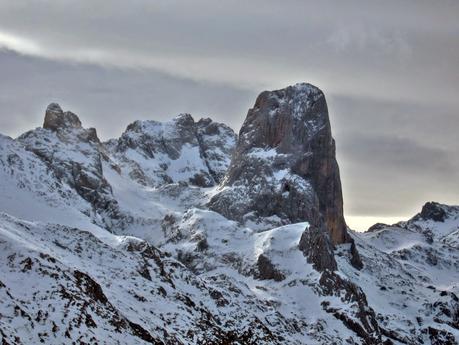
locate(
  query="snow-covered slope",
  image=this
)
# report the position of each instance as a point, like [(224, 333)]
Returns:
[(80, 289), (180, 150), (119, 242)]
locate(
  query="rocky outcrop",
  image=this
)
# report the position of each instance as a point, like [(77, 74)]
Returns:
[(356, 260), (433, 211), (217, 143), (316, 246), (362, 320), (377, 226), (56, 119), (182, 150), (284, 168), (266, 269), (76, 157), (440, 337)]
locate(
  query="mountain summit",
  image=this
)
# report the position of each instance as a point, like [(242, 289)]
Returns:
[(56, 119), (284, 168)]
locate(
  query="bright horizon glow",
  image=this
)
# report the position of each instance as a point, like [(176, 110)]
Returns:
[(362, 223)]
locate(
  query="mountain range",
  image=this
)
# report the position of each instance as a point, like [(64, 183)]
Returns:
[(184, 232)]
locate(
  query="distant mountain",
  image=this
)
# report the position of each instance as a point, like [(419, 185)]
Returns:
[(183, 232)]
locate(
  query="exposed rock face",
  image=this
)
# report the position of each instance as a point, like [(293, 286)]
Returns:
[(56, 119), (267, 270), (356, 260), (181, 150), (76, 156), (433, 211), (363, 319), (217, 143), (316, 245), (440, 337), (284, 167), (377, 226)]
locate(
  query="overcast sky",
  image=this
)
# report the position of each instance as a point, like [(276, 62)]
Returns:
[(389, 69)]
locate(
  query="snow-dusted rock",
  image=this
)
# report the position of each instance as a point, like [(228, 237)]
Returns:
[(76, 156), (317, 247), (284, 166), (436, 212), (180, 150), (217, 142)]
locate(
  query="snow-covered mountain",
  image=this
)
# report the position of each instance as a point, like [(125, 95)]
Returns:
[(184, 233)]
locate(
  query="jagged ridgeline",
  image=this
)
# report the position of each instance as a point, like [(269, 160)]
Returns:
[(183, 232)]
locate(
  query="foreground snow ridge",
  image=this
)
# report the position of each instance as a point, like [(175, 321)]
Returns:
[(183, 232)]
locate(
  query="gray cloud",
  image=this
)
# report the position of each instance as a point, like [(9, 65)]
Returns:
[(389, 70), (108, 98), (344, 47), (386, 175), (394, 156)]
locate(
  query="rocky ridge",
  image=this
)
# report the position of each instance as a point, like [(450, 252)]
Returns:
[(75, 155), (181, 150)]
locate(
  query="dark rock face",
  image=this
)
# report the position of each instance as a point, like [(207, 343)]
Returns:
[(217, 143), (356, 261), (433, 211), (56, 119), (316, 245), (267, 270), (363, 320), (76, 157), (284, 166), (440, 337), (377, 226)]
